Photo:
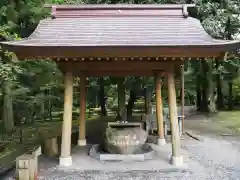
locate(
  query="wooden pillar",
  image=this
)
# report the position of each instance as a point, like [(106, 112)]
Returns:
[(159, 109), (51, 146), (82, 123), (176, 158), (65, 158), (182, 96)]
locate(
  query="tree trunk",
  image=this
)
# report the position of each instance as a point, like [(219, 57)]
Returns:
[(50, 110), (7, 107), (131, 101), (42, 107), (50, 106), (230, 95), (96, 102), (121, 94), (102, 96), (204, 101), (220, 101), (198, 86), (204, 87), (211, 95), (146, 100), (198, 92)]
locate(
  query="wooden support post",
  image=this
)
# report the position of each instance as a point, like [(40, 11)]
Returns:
[(51, 146), (159, 109), (176, 158), (65, 158), (82, 125), (182, 96)]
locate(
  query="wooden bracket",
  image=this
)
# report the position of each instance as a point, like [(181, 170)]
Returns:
[(222, 56), (184, 11), (53, 13)]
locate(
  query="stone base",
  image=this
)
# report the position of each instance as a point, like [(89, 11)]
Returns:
[(177, 161), (65, 161), (82, 142), (97, 154), (161, 142), (121, 157)]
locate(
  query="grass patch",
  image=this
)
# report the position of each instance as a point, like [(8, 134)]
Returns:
[(31, 135), (229, 119), (10, 148)]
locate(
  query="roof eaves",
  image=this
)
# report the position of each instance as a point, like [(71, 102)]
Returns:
[(216, 44), (66, 11), (118, 6)]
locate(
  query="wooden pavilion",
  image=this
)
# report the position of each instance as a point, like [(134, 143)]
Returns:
[(119, 40)]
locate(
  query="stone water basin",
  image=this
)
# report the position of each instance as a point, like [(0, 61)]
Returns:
[(123, 142), (124, 138)]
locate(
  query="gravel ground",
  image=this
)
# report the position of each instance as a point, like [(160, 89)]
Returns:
[(219, 158), (210, 159)]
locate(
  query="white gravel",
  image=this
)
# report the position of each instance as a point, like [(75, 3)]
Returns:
[(219, 158), (210, 159)]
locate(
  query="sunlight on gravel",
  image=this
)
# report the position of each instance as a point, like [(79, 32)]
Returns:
[(210, 159)]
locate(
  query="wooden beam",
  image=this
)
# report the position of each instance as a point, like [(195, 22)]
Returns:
[(122, 59), (117, 73), (125, 51), (116, 65)]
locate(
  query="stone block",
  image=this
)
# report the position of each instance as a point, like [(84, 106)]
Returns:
[(26, 167)]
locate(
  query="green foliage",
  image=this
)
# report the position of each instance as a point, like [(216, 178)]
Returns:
[(236, 86), (18, 19), (37, 86), (220, 19)]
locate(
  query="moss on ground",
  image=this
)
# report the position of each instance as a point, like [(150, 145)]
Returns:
[(223, 122), (31, 136), (228, 119)]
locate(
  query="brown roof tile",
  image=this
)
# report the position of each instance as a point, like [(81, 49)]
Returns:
[(115, 25)]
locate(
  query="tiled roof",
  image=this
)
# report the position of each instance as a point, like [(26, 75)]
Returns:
[(120, 25), (115, 31)]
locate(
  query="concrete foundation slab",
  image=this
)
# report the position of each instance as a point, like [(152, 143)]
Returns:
[(82, 161), (147, 154)]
